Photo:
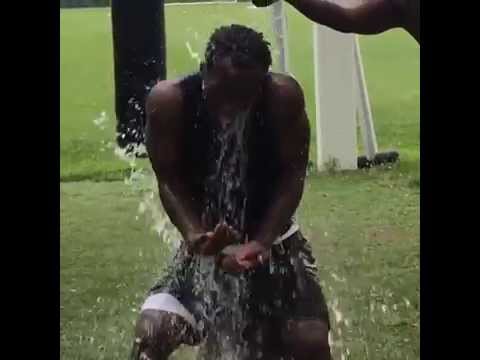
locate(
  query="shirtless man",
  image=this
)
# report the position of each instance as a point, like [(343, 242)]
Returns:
[(365, 17), (252, 236)]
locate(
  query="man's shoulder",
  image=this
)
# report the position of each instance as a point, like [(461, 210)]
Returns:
[(285, 100), (164, 109), (166, 94), (284, 87)]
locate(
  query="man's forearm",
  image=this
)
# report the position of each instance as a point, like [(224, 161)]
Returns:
[(286, 200), (180, 206), (353, 16)]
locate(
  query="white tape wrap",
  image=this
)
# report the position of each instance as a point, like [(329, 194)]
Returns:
[(168, 303)]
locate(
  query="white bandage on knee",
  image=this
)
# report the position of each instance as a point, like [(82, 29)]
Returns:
[(168, 303)]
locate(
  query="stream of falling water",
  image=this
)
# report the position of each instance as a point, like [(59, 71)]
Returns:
[(226, 202)]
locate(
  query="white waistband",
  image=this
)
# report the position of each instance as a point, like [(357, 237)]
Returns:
[(292, 230)]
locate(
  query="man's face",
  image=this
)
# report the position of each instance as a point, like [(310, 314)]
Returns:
[(230, 90)]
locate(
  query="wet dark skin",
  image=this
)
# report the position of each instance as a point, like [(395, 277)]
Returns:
[(229, 91), (367, 17)]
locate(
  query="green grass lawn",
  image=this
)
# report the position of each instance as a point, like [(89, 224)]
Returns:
[(364, 225)]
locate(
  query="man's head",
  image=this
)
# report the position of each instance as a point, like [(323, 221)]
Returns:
[(237, 60)]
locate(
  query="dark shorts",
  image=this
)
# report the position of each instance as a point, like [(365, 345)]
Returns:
[(286, 287)]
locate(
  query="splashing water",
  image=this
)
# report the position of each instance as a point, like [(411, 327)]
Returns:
[(226, 201), (101, 120), (194, 55), (226, 187), (339, 323)]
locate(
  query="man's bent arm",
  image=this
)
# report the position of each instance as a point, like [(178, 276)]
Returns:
[(164, 142), (362, 16), (292, 134)]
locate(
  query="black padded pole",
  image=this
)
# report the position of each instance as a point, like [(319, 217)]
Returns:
[(139, 61)]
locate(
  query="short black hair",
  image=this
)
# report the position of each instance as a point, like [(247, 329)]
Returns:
[(245, 47)]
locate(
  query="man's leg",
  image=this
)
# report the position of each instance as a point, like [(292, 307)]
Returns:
[(163, 325), (159, 333), (305, 331)]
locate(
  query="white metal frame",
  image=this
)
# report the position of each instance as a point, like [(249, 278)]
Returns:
[(363, 106), (280, 30)]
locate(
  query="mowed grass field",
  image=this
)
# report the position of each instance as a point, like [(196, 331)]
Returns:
[(364, 225)]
